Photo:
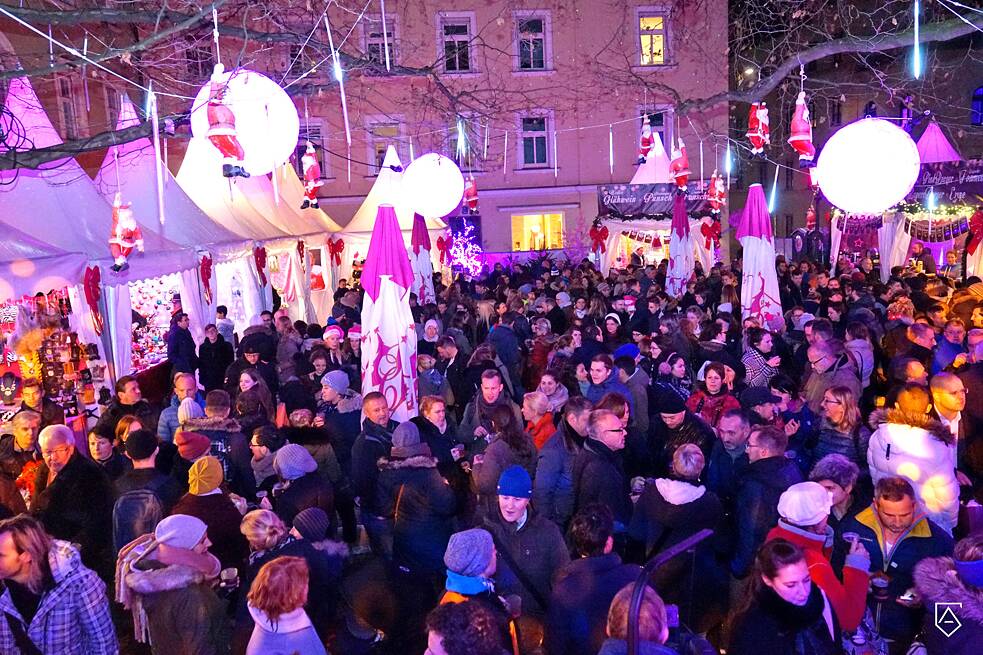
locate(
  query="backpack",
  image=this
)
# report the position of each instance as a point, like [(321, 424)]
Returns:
[(135, 514)]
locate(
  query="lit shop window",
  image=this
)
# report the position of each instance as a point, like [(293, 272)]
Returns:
[(537, 231)]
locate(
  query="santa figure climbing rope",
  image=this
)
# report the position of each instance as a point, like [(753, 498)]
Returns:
[(222, 126), (312, 177), (645, 142), (801, 128), (758, 131), (125, 236)]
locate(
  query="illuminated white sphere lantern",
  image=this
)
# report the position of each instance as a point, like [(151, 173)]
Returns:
[(266, 121), (433, 185), (868, 166)]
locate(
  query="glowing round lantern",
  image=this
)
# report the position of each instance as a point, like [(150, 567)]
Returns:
[(433, 185), (265, 123), (868, 166)]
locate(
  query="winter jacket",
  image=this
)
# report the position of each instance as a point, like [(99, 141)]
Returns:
[(309, 490), (220, 516), (184, 615), (776, 627), (758, 371), (265, 370), (762, 484), (287, 349), (260, 337), (582, 593), (168, 422), (611, 385), (214, 360), (506, 347), (117, 410), (342, 422), (599, 477), (51, 412), (620, 647), (317, 442), (552, 490), (181, 350), (153, 480), (711, 408), (723, 471), (291, 633), (666, 440), (231, 447), (842, 373), (937, 582), (77, 506), (852, 445), (541, 430), (440, 443), (372, 444), (920, 449), (848, 598), (475, 414), (863, 356), (536, 545), (498, 456), (422, 505), (923, 539), (638, 387), (73, 615)]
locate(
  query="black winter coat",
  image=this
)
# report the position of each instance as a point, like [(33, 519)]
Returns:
[(776, 627), (181, 351), (422, 505), (666, 440), (214, 360), (599, 477), (266, 371), (117, 410), (763, 483), (342, 422), (51, 412), (309, 490), (372, 444), (582, 593), (937, 582)]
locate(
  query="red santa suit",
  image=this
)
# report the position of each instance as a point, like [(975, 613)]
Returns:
[(645, 142), (679, 166), (471, 194), (126, 234), (801, 129), (222, 126), (312, 177), (758, 132), (717, 193)]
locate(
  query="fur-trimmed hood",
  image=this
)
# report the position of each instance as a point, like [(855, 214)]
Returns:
[(923, 421), (168, 578), (937, 582), (347, 402), (415, 462), (213, 423)]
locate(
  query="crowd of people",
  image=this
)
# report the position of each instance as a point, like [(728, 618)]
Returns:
[(572, 426)]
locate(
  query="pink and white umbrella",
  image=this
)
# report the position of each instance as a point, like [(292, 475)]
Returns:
[(421, 263), (388, 333), (680, 250), (759, 286)]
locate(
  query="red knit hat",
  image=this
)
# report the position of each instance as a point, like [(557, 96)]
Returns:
[(191, 445)]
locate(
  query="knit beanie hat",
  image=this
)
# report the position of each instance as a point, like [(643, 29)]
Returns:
[(469, 553), (141, 444), (292, 461), (805, 504), (515, 482), (669, 402), (189, 409), (312, 524), (180, 531), (336, 380), (191, 445), (406, 441), (204, 476), (626, 350)]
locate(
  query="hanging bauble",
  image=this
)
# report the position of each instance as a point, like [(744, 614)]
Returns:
[(433, 185), (250, 120), (868, 166)]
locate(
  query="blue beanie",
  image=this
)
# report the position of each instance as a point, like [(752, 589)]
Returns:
[(515, 482), (628, 349)]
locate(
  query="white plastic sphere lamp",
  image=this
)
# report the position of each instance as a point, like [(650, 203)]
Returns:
[(868, 166), (433, 185), (266, 122)]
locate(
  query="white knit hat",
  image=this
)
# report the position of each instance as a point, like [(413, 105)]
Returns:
[(805, 504)]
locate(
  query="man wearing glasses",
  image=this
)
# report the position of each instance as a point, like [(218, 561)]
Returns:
[(598, 472), (828, 368), (73, 497)]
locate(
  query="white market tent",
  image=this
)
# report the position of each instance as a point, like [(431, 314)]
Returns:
[(934, 147), (655, 169)]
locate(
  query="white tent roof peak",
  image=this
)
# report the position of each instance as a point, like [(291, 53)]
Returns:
[(655, 169), (934, 147), (127, 114), (26, 122)]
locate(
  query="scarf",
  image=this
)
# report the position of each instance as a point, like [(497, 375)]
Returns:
[(484, 408), (467, 585), (558, 398)]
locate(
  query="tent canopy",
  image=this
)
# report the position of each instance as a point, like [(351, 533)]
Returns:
[(655, 170), (131, 166), (76, 218), (934, 147), (387, 191), (292, 193)]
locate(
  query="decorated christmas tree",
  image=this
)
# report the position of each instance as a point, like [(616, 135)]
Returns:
[(465, 251)]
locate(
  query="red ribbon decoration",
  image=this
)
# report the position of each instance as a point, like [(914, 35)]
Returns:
[(259, 254), (300, 250), (443, 247), (205, 273), (335, 248), (90, 284), (711, 234), (975, 231), (598, 237)]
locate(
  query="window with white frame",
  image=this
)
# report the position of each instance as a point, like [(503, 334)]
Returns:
[(67, 108), (456, 32), (652, 37), (375, 43), (313, 132), (532, 41), (382, 134), (534, 133), (537, 231)]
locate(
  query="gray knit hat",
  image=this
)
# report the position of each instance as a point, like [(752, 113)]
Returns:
[(406, 441), (469, 553), (293, 461), (337, 380), (312, 524)]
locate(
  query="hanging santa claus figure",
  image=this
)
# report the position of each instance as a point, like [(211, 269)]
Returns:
[(758, 132), (471, 194), (645, 142), (801, 129), (222, 126), (312, 177), (679, 166), (126, 234), (717, 193)]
